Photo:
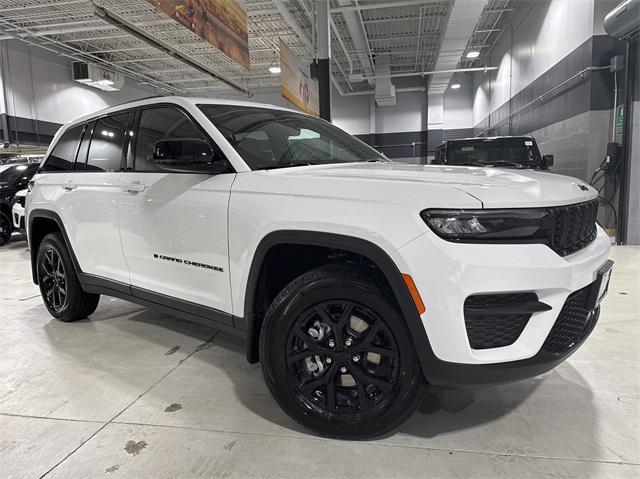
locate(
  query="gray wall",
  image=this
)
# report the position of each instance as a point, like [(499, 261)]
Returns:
[(40, 94)]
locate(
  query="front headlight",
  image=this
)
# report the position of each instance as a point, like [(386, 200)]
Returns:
[(524, 225)]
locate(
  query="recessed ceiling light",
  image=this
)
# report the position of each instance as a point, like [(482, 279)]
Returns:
[(473, 54), (274, 69), (455, 86)]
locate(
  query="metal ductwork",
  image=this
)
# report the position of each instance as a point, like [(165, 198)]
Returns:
[(355, 26), (385, 91), (624, 20), (463, 19)]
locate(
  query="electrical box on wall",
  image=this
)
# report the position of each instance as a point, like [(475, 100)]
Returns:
[(97, 77)]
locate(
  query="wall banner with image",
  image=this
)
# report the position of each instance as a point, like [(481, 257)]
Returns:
[(295, 83), (223, 23)]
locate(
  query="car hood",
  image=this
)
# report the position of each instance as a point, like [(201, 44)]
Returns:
[(494, 187)]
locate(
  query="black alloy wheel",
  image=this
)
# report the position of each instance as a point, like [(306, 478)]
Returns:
[(337, 354), (343, 359), (60, 288), (6, 228), (53, 281)]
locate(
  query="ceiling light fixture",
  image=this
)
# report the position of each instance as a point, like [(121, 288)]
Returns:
[(274, 69), (455, 86), (473, 54)]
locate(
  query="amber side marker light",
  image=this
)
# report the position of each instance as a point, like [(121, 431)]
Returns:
[(415, 295)]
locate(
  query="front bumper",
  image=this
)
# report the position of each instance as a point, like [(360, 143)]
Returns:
[(447, 273), (17, 216)]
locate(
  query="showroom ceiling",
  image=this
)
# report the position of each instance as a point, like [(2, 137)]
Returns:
[(409, 31)]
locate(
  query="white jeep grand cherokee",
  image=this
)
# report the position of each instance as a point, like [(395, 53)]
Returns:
[(353, 278)]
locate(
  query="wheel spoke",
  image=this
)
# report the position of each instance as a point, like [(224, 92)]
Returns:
[(331, 391), (371, 334), (367, 378), (299, 356), (363, 348), (346, 315), (311, 343), (363, 401), (321, 381)]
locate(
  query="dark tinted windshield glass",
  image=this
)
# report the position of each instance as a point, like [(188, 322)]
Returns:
[(11, 175), (267, 138), (502, 152)]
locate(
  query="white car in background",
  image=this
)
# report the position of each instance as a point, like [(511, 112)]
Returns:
[(18, 210), (354, 279)]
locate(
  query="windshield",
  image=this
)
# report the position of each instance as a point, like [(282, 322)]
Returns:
[(266, 138), (502, 152), (13, 172)]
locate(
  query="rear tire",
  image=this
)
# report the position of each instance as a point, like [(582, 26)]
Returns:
[(337, 355), (6, 228), (59, 285)]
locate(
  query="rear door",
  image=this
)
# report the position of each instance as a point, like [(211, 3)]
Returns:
[(92, 189), (173, 222)]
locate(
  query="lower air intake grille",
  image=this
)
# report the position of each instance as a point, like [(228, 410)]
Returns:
[(572, 323), (487, 330)]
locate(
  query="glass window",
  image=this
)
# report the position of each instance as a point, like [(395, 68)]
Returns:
[(81, 159), (64, 153), (502, 152), (162, 123), (267, 138), (105, 151)]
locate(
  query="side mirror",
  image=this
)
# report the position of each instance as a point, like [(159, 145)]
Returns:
[(547, 161), (186, 155)]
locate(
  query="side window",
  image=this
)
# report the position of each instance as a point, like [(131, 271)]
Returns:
[(64, 153), (107, 142), (161, 124), (81, 159)]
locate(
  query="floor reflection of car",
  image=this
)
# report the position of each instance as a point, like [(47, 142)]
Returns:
[(13, 178), (501, 151)]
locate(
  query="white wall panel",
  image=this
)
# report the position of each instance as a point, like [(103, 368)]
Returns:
[(458, 104), (38, 85)]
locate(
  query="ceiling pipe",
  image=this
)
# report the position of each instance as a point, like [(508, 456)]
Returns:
[(439, 72), (398, 90), (372, 6), (124, 25)]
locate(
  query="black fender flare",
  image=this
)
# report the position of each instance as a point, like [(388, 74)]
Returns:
[(335, 241)]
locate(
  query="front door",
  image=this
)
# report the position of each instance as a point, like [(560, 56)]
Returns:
[(173, 222)]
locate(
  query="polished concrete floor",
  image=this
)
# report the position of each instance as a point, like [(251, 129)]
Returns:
[(134, 393)]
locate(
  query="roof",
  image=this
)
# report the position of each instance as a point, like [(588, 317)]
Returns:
[(178, 100)]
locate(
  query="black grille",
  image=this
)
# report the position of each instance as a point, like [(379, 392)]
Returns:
[(574, 227), (495, 329), (20, 200), (572, 324)]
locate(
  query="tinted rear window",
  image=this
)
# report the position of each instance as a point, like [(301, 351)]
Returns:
[(64, 153), (105, 152)]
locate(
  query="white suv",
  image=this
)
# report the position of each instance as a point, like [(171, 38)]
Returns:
[(353, 278)]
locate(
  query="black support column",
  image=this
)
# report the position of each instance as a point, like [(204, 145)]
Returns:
[(324, 57)]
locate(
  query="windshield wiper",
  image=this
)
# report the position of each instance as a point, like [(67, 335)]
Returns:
[(286, 165), (508, 163)]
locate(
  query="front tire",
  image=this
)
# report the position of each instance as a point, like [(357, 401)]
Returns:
[(337, 355), (59, 285)]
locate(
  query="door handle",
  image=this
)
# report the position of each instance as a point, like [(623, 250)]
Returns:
[(134, 187), (70, 185)]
